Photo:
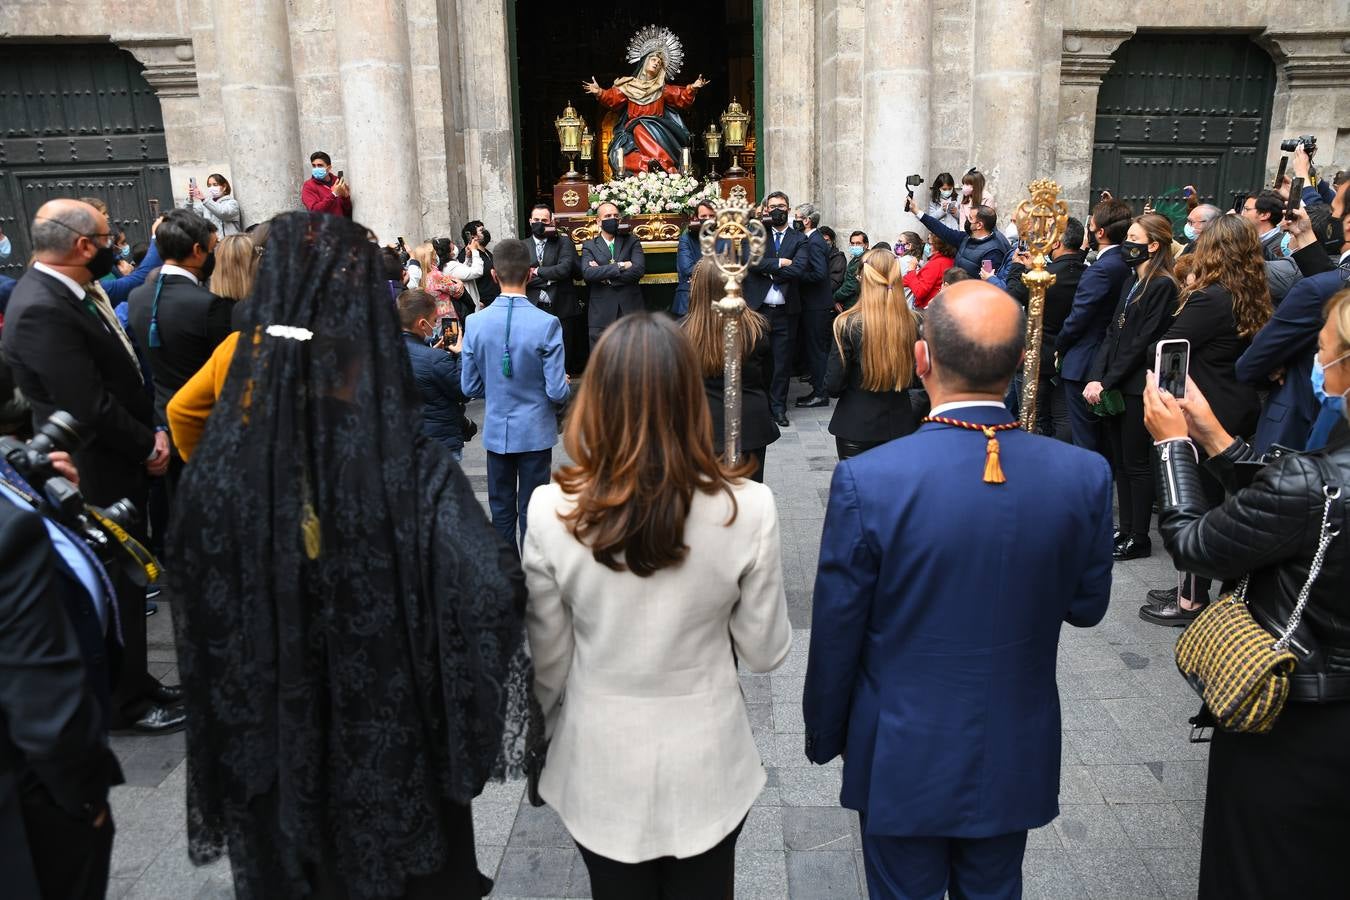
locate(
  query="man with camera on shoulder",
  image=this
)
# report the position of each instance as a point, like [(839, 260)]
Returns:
[(58, 630)]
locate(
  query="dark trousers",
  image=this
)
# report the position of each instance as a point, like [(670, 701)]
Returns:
[(512, 478), (1194, 587), (1132, 459), (70, 857), (576, 343), (782, 335), (919, 868), (1052, 412), (848, 449), (711, 875), (758, 453), (816, 337), (1083, 425)]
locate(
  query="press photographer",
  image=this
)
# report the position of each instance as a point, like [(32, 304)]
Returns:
[(58, 633)]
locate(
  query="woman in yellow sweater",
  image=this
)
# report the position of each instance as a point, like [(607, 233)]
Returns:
[(190, 408)]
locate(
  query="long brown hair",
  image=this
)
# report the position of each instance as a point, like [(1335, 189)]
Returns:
[(703, 326), (1228, 253), (642, 438), (974, 178), (1161, 264), (888, 327), (236, 267)]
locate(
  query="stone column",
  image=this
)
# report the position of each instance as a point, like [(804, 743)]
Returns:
[(839, 121), (171, 70), (372, 40), (1085, 60), (896, 121), (787, 161), (1005, 100), (483, 115), (257, 96), (1313, 96)]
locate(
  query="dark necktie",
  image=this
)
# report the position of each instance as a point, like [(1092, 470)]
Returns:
[(777, 241)]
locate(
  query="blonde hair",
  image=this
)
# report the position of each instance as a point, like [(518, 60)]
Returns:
[(425, 254), (1338, 313), (236, 267), (888, 328), (703, 326)]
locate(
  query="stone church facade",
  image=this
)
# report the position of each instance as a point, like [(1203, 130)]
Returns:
[(412, 97)]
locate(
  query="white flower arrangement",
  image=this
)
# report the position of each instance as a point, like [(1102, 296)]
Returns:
[(653, 192)]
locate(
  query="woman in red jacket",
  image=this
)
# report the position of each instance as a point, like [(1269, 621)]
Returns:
[(925, 282)]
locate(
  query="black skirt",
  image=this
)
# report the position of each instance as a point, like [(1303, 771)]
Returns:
[(1276, 808)]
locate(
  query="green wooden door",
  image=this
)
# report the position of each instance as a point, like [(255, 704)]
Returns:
[(77, 120), (1179, 109)]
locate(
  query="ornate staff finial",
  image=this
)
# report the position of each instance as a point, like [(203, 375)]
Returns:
[(1040, 222)]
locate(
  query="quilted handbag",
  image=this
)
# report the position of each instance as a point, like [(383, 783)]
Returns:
[(1237, 667)]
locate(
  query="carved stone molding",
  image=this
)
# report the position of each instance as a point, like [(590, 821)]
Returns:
[(1312, 59), (170, 64), (1085, 56)]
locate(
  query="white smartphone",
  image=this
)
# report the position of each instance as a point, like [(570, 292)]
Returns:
[(1172, 364)]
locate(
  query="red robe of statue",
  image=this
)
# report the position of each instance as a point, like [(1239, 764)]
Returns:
[(648, 147)]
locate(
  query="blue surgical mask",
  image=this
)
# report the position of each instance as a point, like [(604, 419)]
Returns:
[(855, 250), (125, 251), (946, 193), (319, 173), (5, 247), (1319, 381), (1284, 244), (1191, 233)]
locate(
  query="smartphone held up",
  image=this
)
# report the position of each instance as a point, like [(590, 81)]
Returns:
[(1172, 365)]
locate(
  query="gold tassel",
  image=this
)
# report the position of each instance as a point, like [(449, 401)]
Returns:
[(310, 531), (993, 471)]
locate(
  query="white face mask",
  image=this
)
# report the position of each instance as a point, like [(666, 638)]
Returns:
[(214, 191)]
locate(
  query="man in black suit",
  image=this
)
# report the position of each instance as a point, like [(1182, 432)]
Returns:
[(613, 265), (174, 318), (1067, 264), (67, 351), (772, 288), (56, 830), (553, 268), (817, 302)]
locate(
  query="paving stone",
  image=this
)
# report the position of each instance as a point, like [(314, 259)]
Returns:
[(1176, 870), (1048, 875), (756, 689), (1044, 838), (787, 717), (1114, 874), (761, 875), (763, 829), (816, 828), (1077, 786), (493, 821), (1096, 748), (535, 872), (489, 858), (822, 874), (1128, 784), (1156, 825), (810, 787), (760, 715), (1086, 827), (539, 826)]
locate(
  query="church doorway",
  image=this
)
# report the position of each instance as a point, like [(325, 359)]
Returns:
[(79, 122), (1179, 109), (556, 49)]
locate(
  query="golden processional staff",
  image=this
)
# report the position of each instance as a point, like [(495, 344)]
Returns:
[(734, 241), (1040, 222)]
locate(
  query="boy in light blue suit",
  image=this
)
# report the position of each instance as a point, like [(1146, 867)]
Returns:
[(949, 561), (513, 356)]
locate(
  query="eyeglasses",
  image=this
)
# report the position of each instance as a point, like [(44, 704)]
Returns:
[(101, 234)]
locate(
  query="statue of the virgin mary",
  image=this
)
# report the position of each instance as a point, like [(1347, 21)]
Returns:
[(650, 133)]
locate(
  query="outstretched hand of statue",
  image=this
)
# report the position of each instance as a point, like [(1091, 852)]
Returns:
[(592, 86), (699, 82)]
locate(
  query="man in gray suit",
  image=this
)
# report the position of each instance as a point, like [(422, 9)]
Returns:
[(613, 265)]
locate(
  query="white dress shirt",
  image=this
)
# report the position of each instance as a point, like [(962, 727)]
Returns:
[(962, 404), (775, 296)]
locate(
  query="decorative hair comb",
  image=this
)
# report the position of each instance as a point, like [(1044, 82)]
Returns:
[(289, 332)]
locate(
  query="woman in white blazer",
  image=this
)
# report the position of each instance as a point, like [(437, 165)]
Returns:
[(652, 568)]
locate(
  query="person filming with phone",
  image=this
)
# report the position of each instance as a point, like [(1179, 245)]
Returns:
[(433, 350), (325, 191), (1275, 801)]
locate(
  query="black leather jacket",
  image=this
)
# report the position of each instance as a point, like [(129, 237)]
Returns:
[(1271, 529)]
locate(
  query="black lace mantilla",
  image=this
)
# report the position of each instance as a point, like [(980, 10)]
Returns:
[(349, 627)]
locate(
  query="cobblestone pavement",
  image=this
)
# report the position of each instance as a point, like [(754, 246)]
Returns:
[(1132, 793)]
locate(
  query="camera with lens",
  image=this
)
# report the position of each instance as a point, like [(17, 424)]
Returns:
[(104, 530), (1309, 142)]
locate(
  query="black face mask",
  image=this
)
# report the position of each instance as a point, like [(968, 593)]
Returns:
[(102, 263), (207, 267), (1092, 240), (695, 225), (798, 225), (484, 238), (778, 217), (537, 229), (1135, 252), (609, 226)]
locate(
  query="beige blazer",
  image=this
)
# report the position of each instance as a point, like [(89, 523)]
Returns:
[(651, 751)]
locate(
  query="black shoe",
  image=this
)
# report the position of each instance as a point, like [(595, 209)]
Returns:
[(1162, 597), (1118, 537), (781, 420), (166, 694), (804, 379), (153, 591), (1171, 615), (1133, 547), (811, 401), (159, 720), (151, 607)]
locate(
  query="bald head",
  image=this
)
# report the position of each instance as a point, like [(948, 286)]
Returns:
[(60, 224), (975, 334)]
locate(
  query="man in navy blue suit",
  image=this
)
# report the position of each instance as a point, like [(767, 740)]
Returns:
[(772, 288), (817, 296), (950, 558), (1093, 305)]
